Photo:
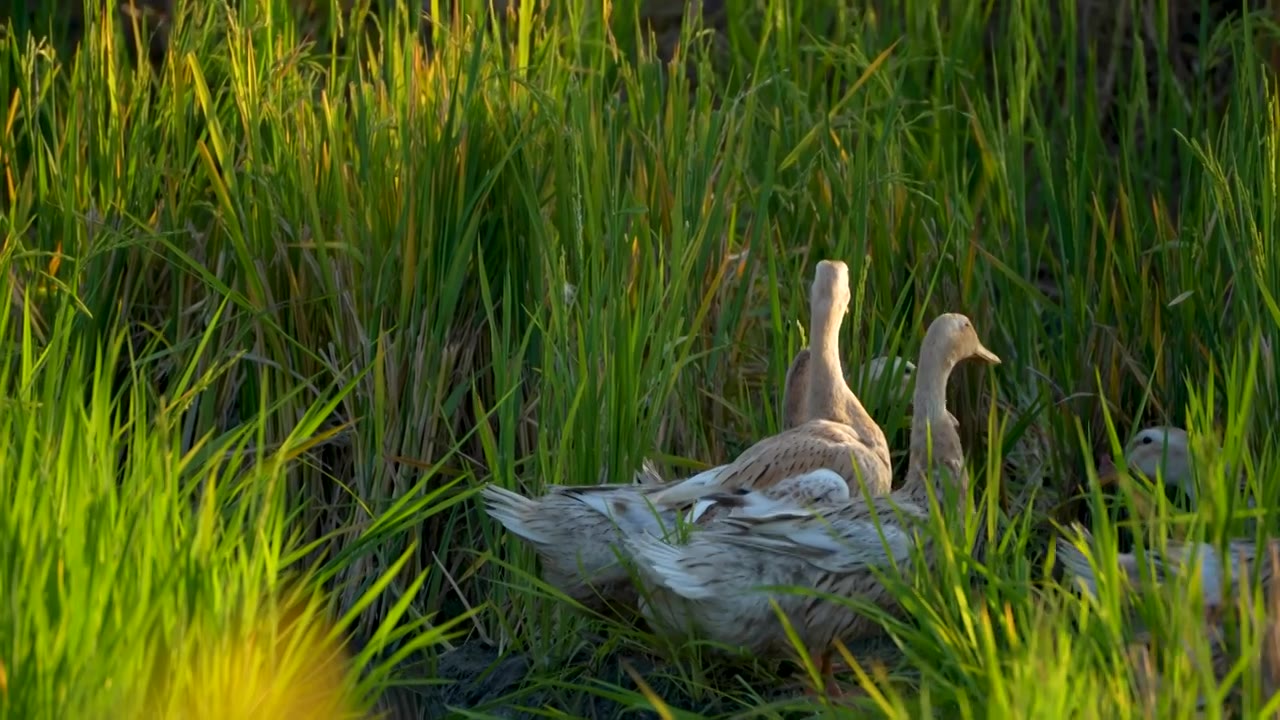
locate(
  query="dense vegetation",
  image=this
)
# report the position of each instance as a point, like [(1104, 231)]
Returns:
[(275, 305)]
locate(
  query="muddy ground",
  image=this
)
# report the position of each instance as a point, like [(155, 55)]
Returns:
[(474, 678)]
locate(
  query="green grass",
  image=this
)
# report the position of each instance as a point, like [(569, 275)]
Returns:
[(274, 312)]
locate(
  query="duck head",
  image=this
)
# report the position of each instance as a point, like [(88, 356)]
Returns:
[(876, 369), (1156, 452)]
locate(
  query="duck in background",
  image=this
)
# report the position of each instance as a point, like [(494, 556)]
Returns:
[(1163, 454), (1221, 585)]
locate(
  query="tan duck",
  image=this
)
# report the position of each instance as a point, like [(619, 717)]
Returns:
[(837, 434), (711, 584), (575, 529), (795, 402)]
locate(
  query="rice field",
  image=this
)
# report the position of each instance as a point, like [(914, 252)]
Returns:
[(280, 300)]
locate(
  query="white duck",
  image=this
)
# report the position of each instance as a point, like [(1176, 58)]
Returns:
[(1158, 452), (1163, 454), (1219, 584)]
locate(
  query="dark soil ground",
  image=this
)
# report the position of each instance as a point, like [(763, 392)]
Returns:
[(473, 680)]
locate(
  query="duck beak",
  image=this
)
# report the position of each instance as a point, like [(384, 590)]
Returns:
[(1107, 472), (987, 356)]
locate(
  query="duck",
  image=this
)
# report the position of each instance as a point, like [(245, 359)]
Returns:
[(837, 432), (1218, 582), (889, 377), (710, 585), (576, 530), (1162, 453), (1079, 571)]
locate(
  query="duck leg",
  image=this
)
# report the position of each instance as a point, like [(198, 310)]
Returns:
[(830, 687), (828, 676)]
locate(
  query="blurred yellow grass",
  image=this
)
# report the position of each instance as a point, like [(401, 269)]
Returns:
[(278, 660)]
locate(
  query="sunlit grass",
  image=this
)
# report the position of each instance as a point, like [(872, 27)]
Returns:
[(275, 308)]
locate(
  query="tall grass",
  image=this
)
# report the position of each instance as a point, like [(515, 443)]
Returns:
[(278, 305)]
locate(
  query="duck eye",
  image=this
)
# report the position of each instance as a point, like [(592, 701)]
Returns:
[(1146, 440)]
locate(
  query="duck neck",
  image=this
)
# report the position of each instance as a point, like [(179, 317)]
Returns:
[(933, 428), (828, 396), (825, 373), (930, 399), (795, 391)]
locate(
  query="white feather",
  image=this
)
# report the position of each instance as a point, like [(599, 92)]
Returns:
[(838, 546), (811, 537), (816, 486), (634, 514), (701, 507), (647, 474), (1212, 578), (1077, 566), (691, 488), (510, 509), (665, 564), (788, 497)]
